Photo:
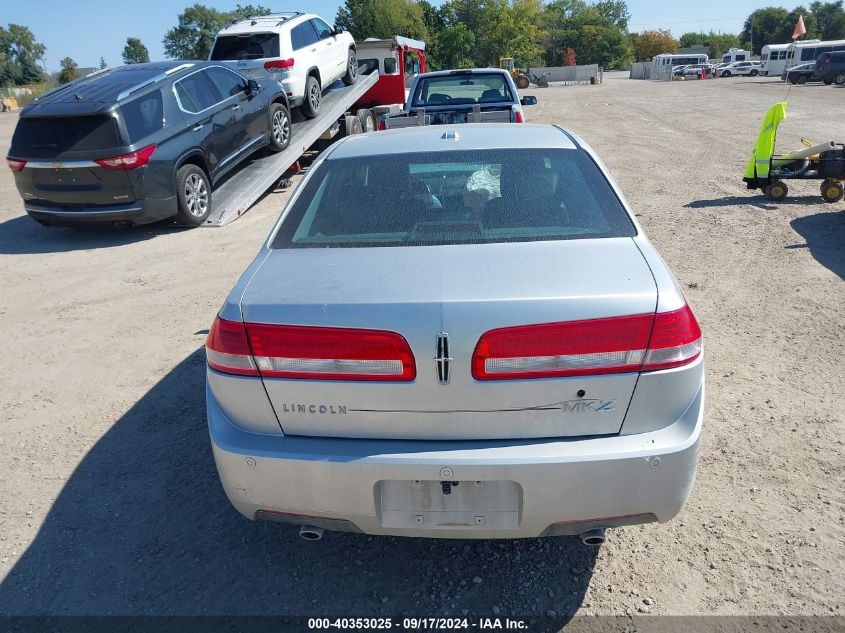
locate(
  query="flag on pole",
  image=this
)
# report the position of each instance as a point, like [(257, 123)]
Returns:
[(800, 29)]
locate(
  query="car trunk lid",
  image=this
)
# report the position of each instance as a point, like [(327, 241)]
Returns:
[(463, 291)]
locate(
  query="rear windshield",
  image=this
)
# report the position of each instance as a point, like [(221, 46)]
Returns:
[(466, 89), (252, 46), (457, 197), (51, 136)]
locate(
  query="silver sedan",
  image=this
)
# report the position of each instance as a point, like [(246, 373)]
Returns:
[(459, 332)]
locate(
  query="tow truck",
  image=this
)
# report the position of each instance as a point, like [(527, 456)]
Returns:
[(385, 67)]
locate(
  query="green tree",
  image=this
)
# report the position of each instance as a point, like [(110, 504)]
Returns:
[(718, 43), (830, 19), (103, 63), (650, 43), (193, 36), (382, 18), (19, 55), (454, 47), (596, 32), (135, 52), (68, 72)]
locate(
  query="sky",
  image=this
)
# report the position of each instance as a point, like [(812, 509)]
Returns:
[(86, 29)]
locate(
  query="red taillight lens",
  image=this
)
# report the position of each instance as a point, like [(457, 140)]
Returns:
[(590, 347), (227, 348), (382, 124), (518, 118), (675, 340), (292, 351), (279, 64), (128, 161), (15, 165)]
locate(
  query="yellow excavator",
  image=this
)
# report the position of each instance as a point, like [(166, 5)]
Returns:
[(519, 78)]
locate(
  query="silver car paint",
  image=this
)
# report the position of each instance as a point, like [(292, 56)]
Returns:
[(614, 475)]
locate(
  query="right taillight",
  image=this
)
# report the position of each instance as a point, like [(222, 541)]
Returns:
[(644, 342), (279, 64), (304, 352), (675, 340)]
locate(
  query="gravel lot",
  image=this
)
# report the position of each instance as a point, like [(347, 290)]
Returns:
[(110, 502)]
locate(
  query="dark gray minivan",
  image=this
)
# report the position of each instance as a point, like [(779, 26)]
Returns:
[(142, 143)]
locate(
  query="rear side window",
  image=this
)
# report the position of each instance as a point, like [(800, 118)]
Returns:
[(143, 116), (50, 137), (457, 197), (252, 46), (195, 92), (303, 35), (228, 83)]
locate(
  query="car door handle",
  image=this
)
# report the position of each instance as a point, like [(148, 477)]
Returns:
[(197, 128), (236, 107), (314, 50)]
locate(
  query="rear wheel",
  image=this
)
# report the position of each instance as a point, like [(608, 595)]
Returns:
[(839, 80), (832, 191), (801, 80), (313, 95), (726, 73), (193, 191), (351, 75), (754, 73), (280, 129), (367, 122), (522, 82), (777, 190), (351, 125)]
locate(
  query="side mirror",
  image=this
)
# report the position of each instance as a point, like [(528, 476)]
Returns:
[(416, 67), (337, 30), (252, 87), (528, 100)]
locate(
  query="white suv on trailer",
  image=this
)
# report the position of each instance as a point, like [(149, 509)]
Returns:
[(300, 50)]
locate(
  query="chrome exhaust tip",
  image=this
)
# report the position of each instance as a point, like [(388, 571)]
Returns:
[(593, 537), (311, 532)]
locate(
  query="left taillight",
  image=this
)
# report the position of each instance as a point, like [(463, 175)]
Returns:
[(15, 165), (518, 118), (317, 353), (227, 348), (645, 342), (135, 159)]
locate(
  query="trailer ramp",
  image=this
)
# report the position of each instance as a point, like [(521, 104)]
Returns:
[(241, 189)]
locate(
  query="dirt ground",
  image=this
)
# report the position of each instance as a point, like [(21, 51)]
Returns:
[(109, 498)]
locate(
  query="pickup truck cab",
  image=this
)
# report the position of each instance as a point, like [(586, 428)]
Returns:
[(461, 96)]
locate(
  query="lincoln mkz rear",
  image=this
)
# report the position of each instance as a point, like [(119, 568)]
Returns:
[(457, 333)]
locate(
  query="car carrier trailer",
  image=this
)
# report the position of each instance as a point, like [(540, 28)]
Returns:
[(344, 110), (239, 191)]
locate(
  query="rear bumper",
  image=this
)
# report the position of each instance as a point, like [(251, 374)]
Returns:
[(565, 486), (139, 212)]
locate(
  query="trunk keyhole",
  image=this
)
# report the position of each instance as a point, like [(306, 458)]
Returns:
[(581, 393)]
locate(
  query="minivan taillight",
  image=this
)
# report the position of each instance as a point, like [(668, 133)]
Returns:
[(137, 158), (317, 353), (634, 343), (279, 64), (15, 165)]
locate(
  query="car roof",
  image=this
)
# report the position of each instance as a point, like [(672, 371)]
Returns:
[(465, 71), (101, 90), (468, 136), (265, 23)]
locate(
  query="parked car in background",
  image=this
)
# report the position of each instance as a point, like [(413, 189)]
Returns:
[(452, 96), (678, 71), (696, 71), (301, 50), (830, 68), (741, 68), (720, 68), (802, 73), (405, 347), (141, 143)]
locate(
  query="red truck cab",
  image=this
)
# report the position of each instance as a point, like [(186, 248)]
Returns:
[(397, 61)]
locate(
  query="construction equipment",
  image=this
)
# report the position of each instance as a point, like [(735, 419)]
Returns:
[(521, 80), (767, 171)]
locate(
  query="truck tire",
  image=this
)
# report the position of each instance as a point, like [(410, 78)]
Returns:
[(310, 107), (522, 82), (279, 127), (351, 125), (351, 75), (367, 122), (839, 80), (193, 192)]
